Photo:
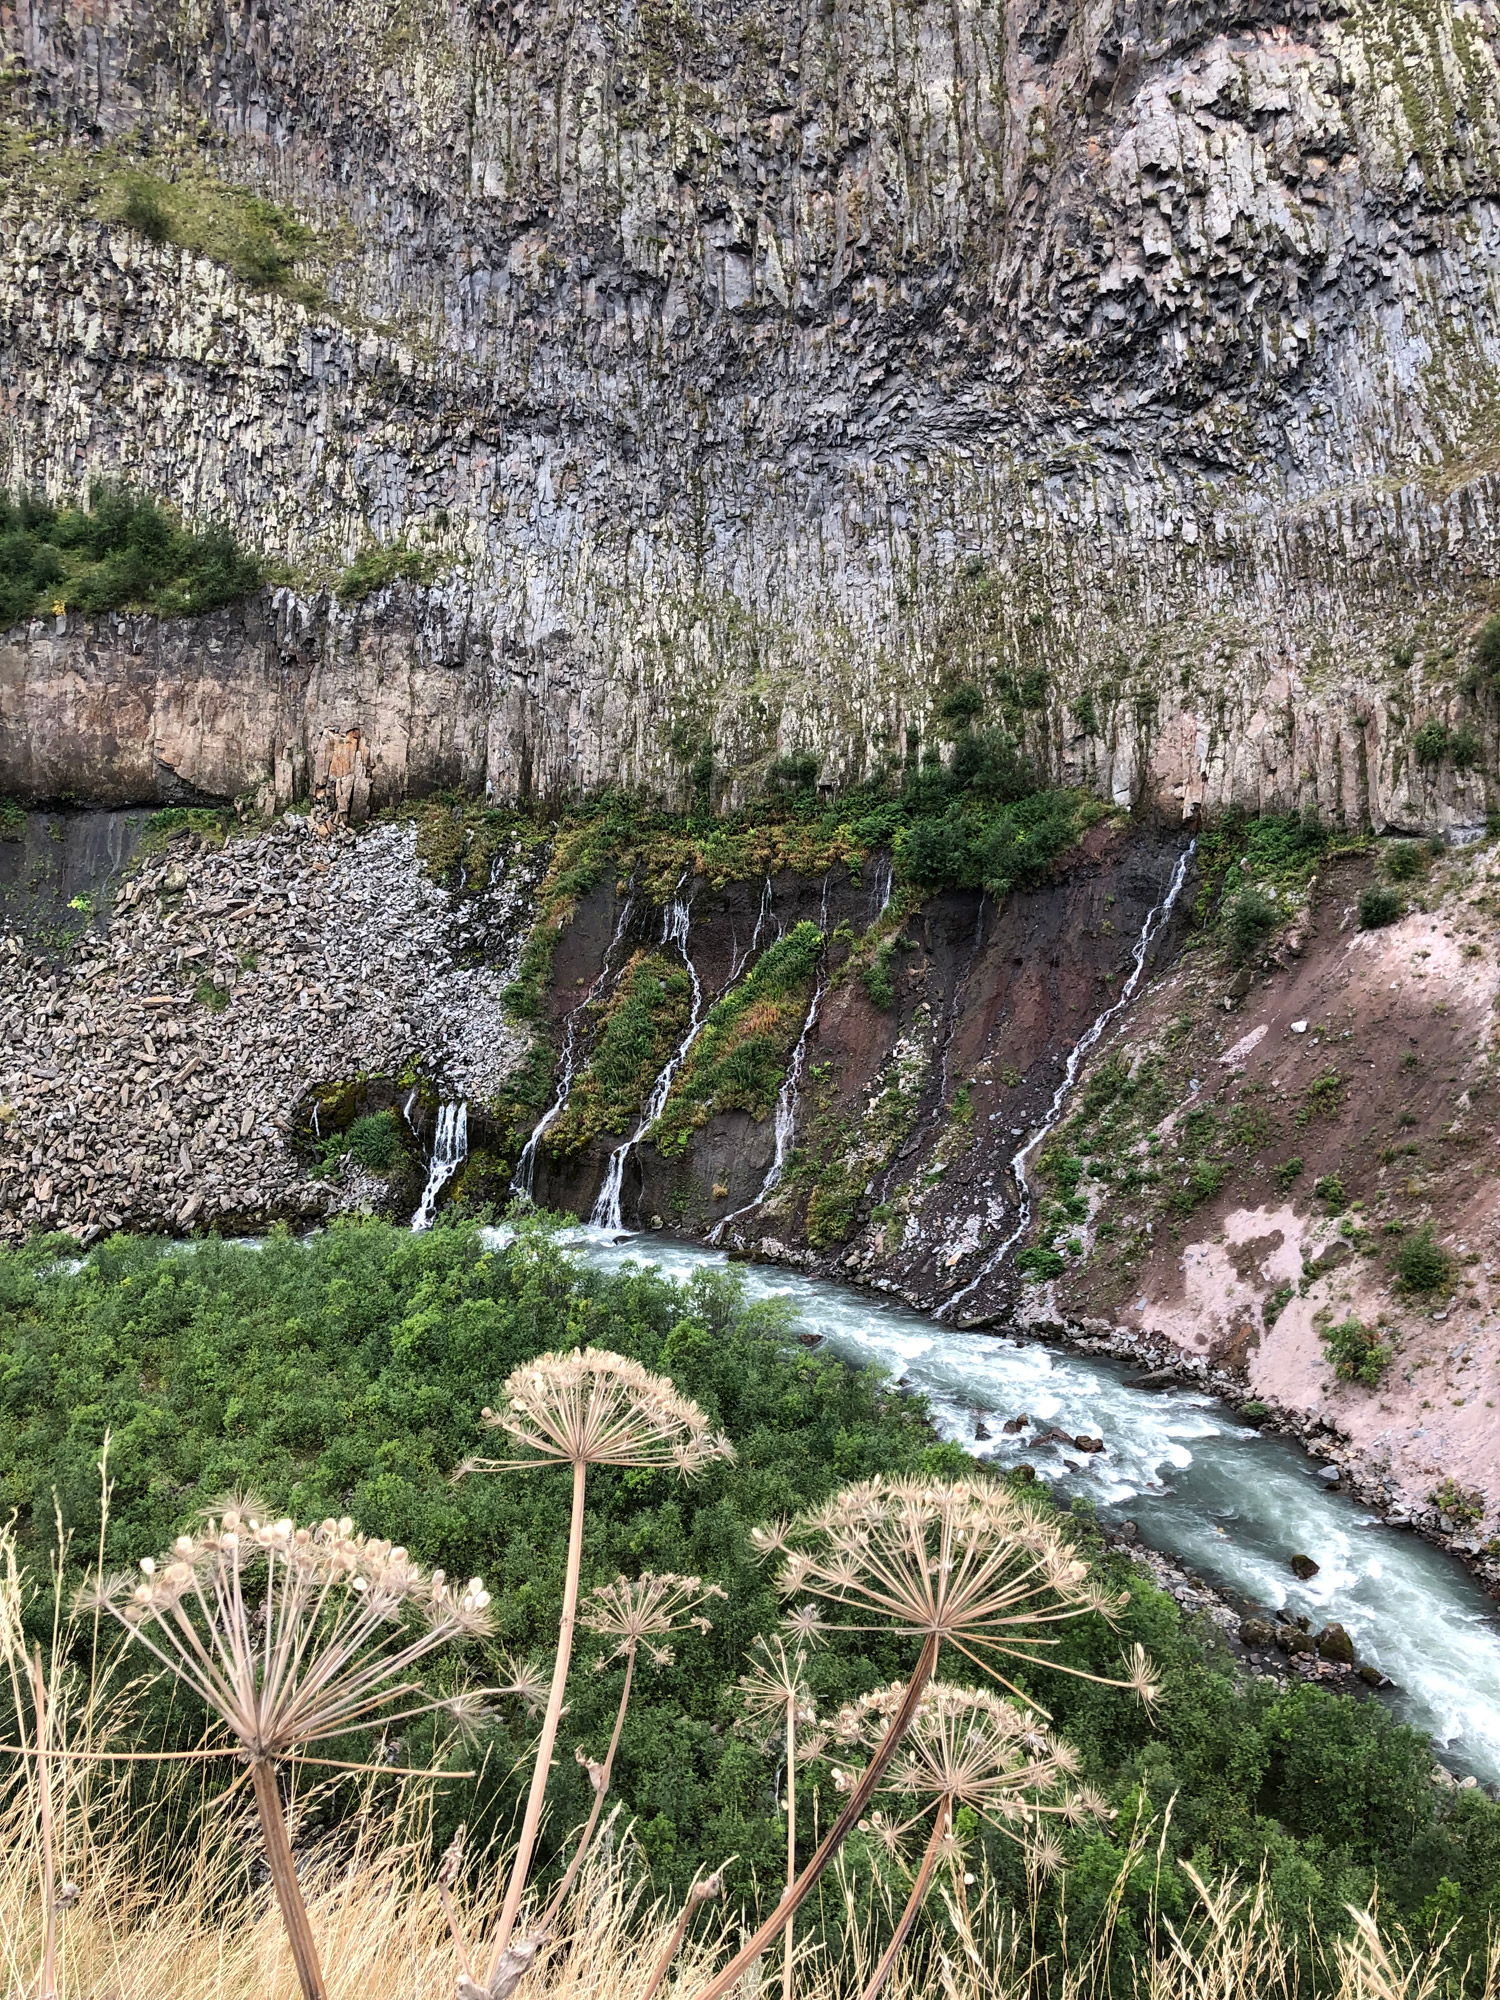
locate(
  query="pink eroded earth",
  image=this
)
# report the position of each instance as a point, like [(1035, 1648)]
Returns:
[(1368, 1056)]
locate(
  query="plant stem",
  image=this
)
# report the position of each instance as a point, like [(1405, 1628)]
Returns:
[(593, 1819), (913, 1902), (833, 1840), (543, 1767), (791, 1833), (47, 1982), (284, 1879)]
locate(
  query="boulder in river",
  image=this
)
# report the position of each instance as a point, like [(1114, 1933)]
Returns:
[(1303, 1567), (1014, 1424), (1257, 1633), (1292, 1639), (981, 1432), (1088, 1444), (1335, 1644)]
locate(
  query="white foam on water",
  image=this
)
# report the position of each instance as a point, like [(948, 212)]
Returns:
[(1234, 1505)]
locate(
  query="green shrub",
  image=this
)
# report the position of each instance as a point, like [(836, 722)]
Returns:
[(382, 563), (1040, 1261), (1429, 744), (1250, 920), (1329, 1188), (1486, 672), (1379, 906), (1205, 1178), (1287, 1172), (375, 1141), (1357, 1352), (961, 706), (797, 772), (1466, 748), (12, 819), (1405, 861), (879, 982), (121, 553), (1464, 1506), (1422, 1265), (1277, 1300)]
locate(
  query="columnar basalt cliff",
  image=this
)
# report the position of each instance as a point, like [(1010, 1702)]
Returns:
[(747, 374)]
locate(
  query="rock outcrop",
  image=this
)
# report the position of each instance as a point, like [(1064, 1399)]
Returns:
[(747, 374)]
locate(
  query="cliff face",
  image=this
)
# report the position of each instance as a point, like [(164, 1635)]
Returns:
[(751, 371)]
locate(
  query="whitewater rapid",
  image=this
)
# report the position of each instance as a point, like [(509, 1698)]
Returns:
[(1201, 1484)]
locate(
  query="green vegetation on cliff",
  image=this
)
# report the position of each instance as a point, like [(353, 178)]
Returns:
[(347, 1373), (123, 552)]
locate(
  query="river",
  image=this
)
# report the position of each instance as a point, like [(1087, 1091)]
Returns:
[(1201, 1484)]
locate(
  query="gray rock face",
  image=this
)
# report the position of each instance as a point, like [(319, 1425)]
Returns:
[(750, 372)]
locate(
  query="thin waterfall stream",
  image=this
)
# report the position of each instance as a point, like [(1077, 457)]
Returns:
[(1150, 930), (524, 1178), (606, 1213), (450, 1148)]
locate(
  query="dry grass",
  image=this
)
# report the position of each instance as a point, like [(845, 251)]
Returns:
[(211, 1934)]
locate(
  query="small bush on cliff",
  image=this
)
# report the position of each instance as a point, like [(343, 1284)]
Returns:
[(1378, 906), (1422, 1265), (123, 552), (1249, 921), (375, 1142), (382, 563), (1486, 669), (1405, 860), (1429, 744), (1357, 1352)]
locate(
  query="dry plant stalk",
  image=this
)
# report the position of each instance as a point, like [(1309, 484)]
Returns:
[(775, 1693), (965, 1564), (581, 1409), (293, 1637), (968, 1747)]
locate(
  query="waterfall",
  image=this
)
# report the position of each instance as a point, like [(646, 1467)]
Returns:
[(1149, 930), (885, 882), (450, 1148), (606, 1213), (786, 1119), (525, 1174)]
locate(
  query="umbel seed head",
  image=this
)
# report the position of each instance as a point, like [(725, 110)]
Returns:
[(595, 1408)]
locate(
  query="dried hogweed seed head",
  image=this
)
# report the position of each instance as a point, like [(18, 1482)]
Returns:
[(774, 1687), (294, 1636), (594, 1408), (975, 1748), (646, 1611), (967, 1562)]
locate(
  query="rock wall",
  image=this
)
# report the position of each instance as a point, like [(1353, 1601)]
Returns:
[(752, 372)]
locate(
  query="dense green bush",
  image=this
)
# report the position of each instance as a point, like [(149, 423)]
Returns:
[(1357, 1352), (1422, 1265), (1430, 743), (1405, 860), (1486, 669), (1379, 906), (375, 1141), (123, 552), (346, 1373), (1250, 920)]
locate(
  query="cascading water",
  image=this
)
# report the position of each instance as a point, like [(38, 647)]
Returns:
[(786, 1118), (450, 1148), (1198, 1482), (606, 1213), (525, 1174), (885, 882), (1149, 931)]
